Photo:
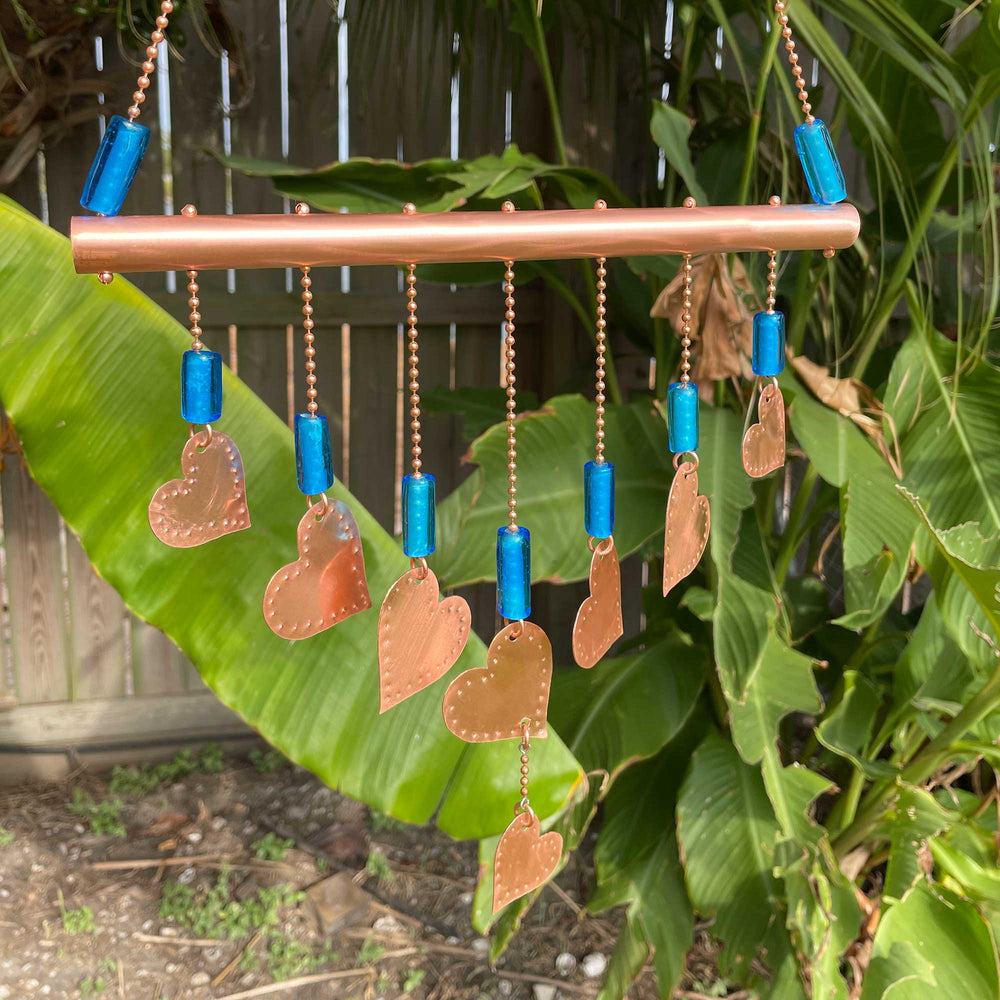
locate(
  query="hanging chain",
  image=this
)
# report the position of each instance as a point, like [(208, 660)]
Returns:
[(686, 321), (524, 805), (793, 59), (166, 7), (411, 319), (772, 279), (308, 324), (602, 323), (511, 394), (193, 303)]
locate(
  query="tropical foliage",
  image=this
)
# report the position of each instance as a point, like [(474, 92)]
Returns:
[(802, 746)]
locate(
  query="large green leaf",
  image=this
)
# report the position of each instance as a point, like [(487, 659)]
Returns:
[(99, 442), (932, 943), (637, 862), (762, 677), (627, 707), (727, 834), (671, 130), (946, 415), (554, 443), (877, 528)]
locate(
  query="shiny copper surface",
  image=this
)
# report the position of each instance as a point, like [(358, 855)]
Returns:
[(483, 705), (419, 637), (326, 584), (599, 619), (210, 501), (213, 242), (524, 860), (688, 521), (763, 447)]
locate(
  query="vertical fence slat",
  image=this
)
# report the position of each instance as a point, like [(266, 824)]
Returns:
[(35, 588)]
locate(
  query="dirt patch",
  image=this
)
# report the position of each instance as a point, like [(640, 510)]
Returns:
[(224, 882)]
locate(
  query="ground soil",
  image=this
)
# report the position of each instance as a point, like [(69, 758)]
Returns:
[(416, 918)]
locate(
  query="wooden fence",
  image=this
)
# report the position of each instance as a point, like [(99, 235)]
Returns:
[(78, 673)]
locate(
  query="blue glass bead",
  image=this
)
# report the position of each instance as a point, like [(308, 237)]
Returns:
[(313, 458), (682, 417), (418, 515), (599, 499), (820, 163), (118, 158), (514, 573), (768, 343), (201, 386)]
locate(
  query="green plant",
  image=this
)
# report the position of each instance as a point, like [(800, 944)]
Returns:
[(378, 866), (271, 847), (6, 837), (103, 817), (77, 921), (371, 951), (92, 986), (215, 913), (268, 761), (813, 714), (135, 782), (412, 979)]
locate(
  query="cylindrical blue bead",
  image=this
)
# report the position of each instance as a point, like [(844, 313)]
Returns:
[(820, 163), (313, 458), (201, 386), (682, 417), (514, 573), (768, 343), (418, 515), (118, 158), (599, 499)]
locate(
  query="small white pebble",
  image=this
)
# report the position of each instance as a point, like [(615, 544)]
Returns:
[(481, 947), (194, 836), (543, 991), (506, 987), (387, 924), (166, 931), (201, 979), (565, 963), (594, 964), (466, 898)]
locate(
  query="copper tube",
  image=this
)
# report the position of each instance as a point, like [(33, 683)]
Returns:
[(216, 242)]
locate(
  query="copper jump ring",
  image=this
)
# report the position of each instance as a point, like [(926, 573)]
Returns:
[(680, 455), (518, 628), (326, 505), (604, 546), (422, 563), (208, 435)]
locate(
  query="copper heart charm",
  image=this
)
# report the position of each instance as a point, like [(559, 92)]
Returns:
[(419, 638), (764, 444), (599, 621), (687, 525), (326, 584), (487, 704), (210, 501), (524, 859)]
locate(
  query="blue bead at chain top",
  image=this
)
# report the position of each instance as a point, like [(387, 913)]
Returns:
[(820, 163), (768, 356), (514, 573), (599, 499), (114, 167), (313, 457), (419, 495), (201, 386), (682, 417)]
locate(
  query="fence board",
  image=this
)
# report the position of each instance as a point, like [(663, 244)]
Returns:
[(97, 629), (35, 588)]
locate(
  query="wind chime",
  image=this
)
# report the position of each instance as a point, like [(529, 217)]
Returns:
[(421, 636)]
